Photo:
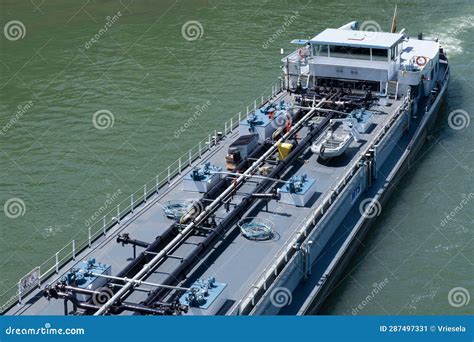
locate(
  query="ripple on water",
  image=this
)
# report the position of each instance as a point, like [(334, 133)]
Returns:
[(451, 33)]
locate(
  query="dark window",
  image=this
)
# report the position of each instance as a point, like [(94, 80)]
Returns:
[(349, 52), (380, 55)]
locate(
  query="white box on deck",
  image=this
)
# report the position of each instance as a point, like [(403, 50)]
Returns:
[(301, 198)]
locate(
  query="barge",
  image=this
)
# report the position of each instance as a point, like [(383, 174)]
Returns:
[(263, 217)]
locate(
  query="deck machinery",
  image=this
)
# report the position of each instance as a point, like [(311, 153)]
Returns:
[(261, 217)]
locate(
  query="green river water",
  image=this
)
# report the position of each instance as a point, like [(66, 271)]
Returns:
[(164, 90)]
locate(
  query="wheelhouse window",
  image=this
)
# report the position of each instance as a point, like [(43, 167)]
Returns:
[(320, 50), (394, 52), (380, 55), (354, 52), (350, 52)]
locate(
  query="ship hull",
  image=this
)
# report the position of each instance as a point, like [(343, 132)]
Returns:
[(407, 161)]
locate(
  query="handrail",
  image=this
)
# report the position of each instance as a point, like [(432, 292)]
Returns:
[(139, 198)]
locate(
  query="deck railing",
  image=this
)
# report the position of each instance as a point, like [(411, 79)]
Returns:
[(136, 201)]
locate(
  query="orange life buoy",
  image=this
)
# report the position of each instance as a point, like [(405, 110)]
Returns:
[(421, 60)]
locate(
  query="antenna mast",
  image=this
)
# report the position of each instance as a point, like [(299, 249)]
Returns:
[(394, 21)]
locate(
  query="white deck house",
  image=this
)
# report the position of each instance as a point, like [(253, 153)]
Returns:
[(357, 55), (379, 59)]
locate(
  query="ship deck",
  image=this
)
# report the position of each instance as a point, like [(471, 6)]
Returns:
[(233, 260)]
